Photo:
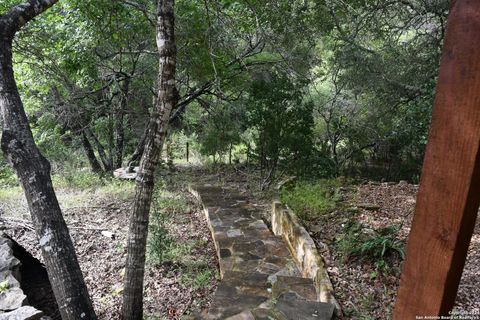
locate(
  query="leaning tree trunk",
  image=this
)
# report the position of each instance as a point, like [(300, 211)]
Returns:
[(90, 153), (137, 154), (33, 171), (106, 160), (138, 230)]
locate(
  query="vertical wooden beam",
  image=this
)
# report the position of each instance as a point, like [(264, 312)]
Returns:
[(449, 195)]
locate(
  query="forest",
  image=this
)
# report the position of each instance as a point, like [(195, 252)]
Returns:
[(130, 128)]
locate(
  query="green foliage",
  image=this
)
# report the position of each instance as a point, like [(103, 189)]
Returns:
[(162, 247), (221, 132), (160, 242), (377, 86), (311, 199), (197, 275), (323, 95), (282, 120), (369, 245), (78, 179), (7, 176), (4, 286)]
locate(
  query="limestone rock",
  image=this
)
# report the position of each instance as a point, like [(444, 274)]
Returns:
[(126, 173), (293, 307), (257, 266), (7, 260), (23, 313), (7, 277), (12, 299), (245, 315)]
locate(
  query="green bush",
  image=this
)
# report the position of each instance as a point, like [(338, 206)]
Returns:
[(7, 176), (162, 246), (160, 243), (311, 199), (370, 245)]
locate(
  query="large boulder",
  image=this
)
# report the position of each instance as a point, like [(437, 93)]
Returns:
[(13, 301)]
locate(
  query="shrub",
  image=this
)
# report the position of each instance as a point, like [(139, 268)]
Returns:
[(370, 245), (162, 247), (160, 243), (198, 277), (309, 200), (7, 176)]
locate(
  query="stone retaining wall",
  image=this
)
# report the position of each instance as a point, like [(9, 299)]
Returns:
[(303, 249)]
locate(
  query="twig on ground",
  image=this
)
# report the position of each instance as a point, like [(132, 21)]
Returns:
[(14, 222), (87, 207)]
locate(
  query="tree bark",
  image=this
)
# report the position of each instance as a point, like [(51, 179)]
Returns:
[(119, 124), (92, 159), (106, 160), (33, 171), (137, 154), (138, 229)]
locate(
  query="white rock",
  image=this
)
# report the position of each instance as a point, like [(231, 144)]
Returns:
[(23, 313), (108, 234), (11, 299)]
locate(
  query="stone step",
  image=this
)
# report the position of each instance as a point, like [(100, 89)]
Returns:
[(285, 307), (267, 256), (289, 306), (224, 306), (260, 279), (303, 287)]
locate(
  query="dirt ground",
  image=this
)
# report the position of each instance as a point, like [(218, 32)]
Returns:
[(168, 293), (363, 292)]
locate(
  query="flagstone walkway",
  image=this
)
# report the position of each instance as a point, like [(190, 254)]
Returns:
[(260, 280)]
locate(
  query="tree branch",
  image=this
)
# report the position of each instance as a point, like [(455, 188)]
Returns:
[(19, 15)]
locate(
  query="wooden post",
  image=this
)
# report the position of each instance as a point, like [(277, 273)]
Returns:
[(188, 152), (449, 195)]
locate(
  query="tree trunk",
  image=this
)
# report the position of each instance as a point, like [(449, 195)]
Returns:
[(110, 138), (106, 160), (119, 124), (137, 154), (119, 139), (138, 229), (92, 159), (33, 171)]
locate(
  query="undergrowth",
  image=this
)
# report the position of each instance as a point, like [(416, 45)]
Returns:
[(310, 200), (7, 177), (164, 247), (370, 245)]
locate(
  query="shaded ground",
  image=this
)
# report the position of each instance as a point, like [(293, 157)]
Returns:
[(172, 286), (172, 290), (364, 292)]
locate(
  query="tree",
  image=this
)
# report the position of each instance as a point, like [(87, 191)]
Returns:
[(33, 171), (283, 122), (91, 65), (379, 68), (167, 97)]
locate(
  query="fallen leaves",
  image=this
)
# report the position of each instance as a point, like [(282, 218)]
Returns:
[(362, 291)]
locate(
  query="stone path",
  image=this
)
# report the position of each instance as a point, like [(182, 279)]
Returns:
[(259, 277)]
